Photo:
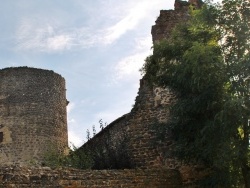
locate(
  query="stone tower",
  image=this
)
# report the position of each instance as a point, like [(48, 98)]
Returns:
[(32, 115)]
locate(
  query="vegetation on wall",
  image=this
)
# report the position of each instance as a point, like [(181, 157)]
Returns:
[(110, 153), (206, 61), (80, 160)]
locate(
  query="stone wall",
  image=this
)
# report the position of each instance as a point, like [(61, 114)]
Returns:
[(166, 22), (152, 105), (145, 149), (18, 177), (168, 19), (142, 144), (32, 114)]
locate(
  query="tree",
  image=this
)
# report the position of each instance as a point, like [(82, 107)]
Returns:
[(206, 61), (234, 26)]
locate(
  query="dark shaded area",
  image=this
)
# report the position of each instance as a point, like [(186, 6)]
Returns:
[(110, 153)]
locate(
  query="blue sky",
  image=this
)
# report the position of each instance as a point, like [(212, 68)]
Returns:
[(98, 46)]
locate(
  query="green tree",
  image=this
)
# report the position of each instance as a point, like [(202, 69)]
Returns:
[(206, 61), (234, 27)]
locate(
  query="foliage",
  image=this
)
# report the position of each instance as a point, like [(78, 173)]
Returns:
[(102, 125), (94, 130), (79, 159), (110, 153), (88, 135), (206, 61)]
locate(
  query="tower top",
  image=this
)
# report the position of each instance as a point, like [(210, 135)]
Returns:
[(180, 5)]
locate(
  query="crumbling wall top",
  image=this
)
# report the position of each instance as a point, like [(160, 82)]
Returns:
[(183, 5), (30, 69)]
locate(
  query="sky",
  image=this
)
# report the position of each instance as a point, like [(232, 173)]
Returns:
[(98, 46)]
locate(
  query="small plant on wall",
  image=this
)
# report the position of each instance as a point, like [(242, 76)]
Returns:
[(79, 159), (112, 151)]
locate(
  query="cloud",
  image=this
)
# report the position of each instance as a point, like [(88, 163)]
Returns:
[(128, 67), (143, 44), (31, 36), (70, 107), (74, 139), (129, 21), (71, 121), (59, 42), (40, 34), (41, 37), (116, 31)]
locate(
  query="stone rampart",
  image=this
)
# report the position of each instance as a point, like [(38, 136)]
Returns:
[(152, 105), (165, 23), (142, 144), (168, 19), (33, 120), (21, 177)]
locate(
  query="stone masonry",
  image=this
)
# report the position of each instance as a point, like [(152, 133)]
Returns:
[(32, 115), (151, 105), (33, 121), (23, 177)]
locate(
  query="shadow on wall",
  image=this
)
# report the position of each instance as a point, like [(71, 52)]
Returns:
[(110, 153)]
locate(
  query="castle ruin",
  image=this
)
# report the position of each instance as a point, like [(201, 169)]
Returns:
[(32, 115), (151, 106)]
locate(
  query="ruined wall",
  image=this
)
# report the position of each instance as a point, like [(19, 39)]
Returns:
[(142, 144), (32, 114), (168, 19), (151, 105), (18, 177), (145, 149)]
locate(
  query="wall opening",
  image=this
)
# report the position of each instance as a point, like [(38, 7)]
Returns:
[(1, 137)]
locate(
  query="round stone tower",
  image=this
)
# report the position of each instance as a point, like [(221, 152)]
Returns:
[(33, 119)]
